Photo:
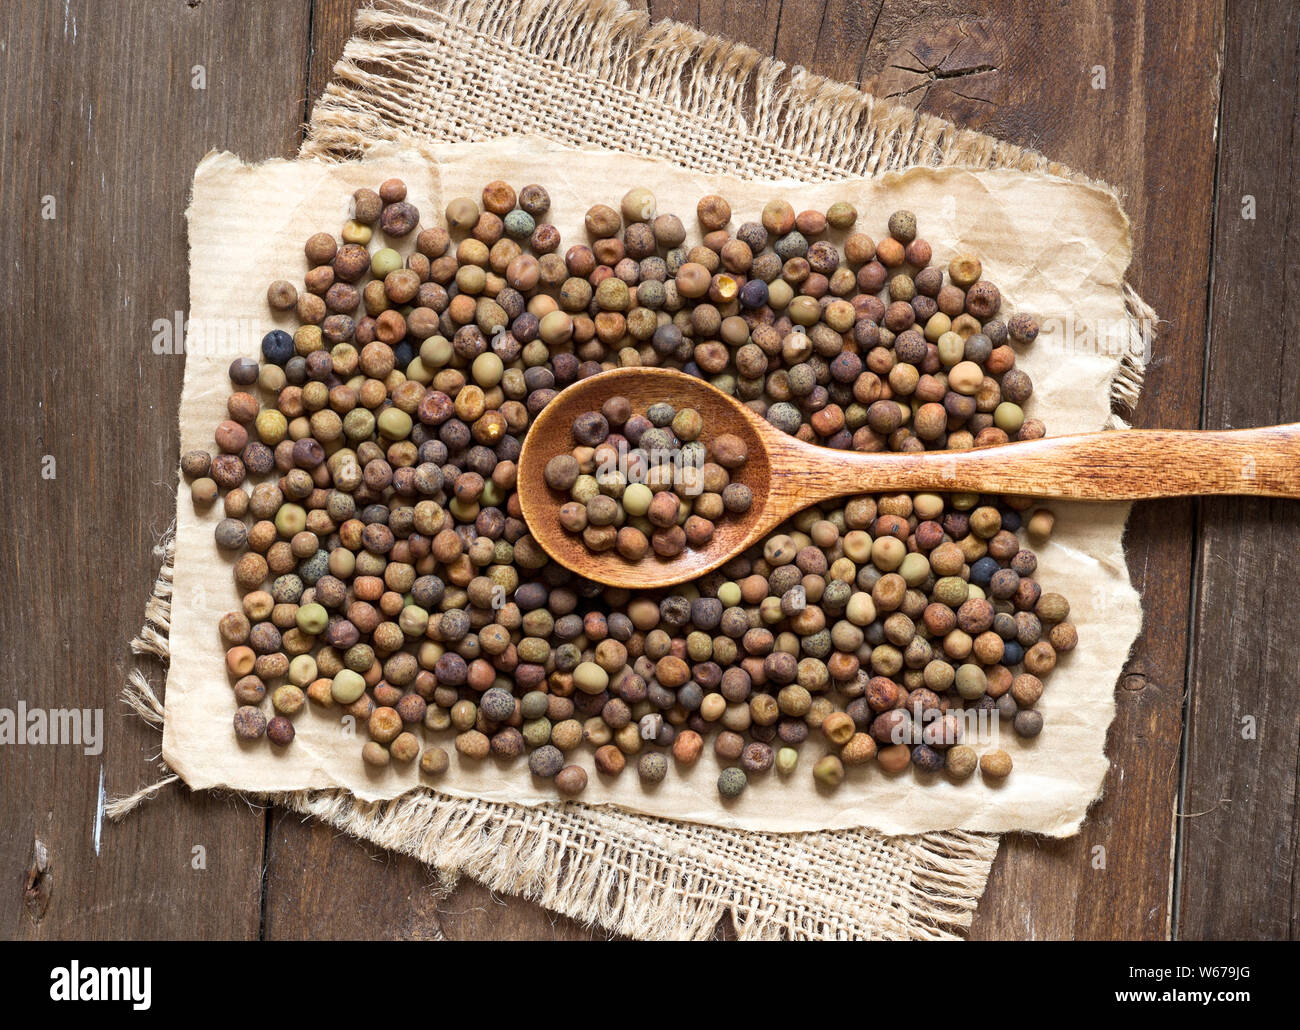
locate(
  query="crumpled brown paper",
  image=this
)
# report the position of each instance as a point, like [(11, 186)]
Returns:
[(1057, 249)]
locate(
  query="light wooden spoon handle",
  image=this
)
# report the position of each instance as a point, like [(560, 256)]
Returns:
[(1123, 465)]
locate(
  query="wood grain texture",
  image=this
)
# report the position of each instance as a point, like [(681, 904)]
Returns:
[(1240, 817), (100, 116), (316, 891)]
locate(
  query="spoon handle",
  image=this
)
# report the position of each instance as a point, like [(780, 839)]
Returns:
[(1122, 465)]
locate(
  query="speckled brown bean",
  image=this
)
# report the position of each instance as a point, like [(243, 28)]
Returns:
[(1040, 659), (434, 762), (535, 200), (687, 747), (406, 748), (609, 760), (281, 295), (250, 723), (385, 725), (602, 221), (320, 249), (279, 731), (1063, 637), (713, 212), (859, 749), (571, 780), (983, 300), (366, 206), (995, 765), (499, 197), (894, 758), (1023, 328), (250, 690), (473, 744), (399, 219), (961, 761), (195, 464), (351, 262), (757, 757)]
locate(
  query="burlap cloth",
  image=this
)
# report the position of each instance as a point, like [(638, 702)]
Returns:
[(589, 73)]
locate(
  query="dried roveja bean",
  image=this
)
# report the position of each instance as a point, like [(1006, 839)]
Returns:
[(386, 571), (662, 484)]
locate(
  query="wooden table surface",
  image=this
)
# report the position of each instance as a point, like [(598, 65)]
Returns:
[(1195, 122)]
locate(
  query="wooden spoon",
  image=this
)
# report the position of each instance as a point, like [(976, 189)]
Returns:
[(787, 475)]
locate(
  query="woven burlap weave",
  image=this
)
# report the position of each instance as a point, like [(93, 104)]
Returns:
[(587, 72)]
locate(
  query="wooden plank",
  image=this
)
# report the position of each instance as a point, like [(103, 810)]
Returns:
[(100, 115), (1238, 876), (316, 891), (331, 28)]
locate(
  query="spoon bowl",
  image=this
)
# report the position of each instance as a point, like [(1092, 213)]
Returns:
[(551, 434), (787, 475)]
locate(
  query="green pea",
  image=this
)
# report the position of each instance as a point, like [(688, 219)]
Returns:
[(416, 370), (534, 705), (952, 348), (487, 370), (729, 595), (1008, 417), (537, 731), (290, 519), (272, 427), (786, 760), (313, 618), (637, 498), (914, 569), (359, 424), (829, 771), (584, 489), (555, 327), (952, 591), (805, 311), (936, 326), (471, 279), (590, 678), (537, 352), (302, 670), (699, 646), (394, 423), (413, 620), (383, 261), (464, 511), (347, 686), (971, 681), (435, 352)]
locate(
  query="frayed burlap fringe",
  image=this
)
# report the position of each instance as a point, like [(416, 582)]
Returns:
[(593, 72), (651, 878)]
